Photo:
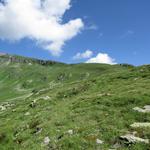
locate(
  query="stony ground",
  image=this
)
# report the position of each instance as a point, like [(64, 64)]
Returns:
[(54, 106)]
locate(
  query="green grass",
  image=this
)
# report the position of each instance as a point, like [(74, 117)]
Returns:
[(93, 100)]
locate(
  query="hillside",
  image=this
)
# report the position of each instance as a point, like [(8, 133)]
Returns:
[(57, 106)]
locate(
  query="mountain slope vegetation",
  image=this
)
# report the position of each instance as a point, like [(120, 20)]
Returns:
[(57, 106)]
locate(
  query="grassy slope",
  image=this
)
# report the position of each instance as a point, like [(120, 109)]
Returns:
[(93, 100)]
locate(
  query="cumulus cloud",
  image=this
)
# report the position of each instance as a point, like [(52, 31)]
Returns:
[(102, 58), (39, 20), (84, 55)]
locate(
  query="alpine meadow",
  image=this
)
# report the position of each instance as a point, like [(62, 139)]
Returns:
[(74, 75), (51, 105)]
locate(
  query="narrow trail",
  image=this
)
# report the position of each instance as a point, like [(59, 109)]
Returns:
[(19, 97)]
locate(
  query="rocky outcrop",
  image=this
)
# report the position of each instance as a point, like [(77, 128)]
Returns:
[(19, 59), (131, 139), (145, 109), (140, 125)]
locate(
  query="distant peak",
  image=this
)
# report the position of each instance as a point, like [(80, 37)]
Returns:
[(2, 54)]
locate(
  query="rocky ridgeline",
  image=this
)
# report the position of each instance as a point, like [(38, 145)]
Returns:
[(18, 59)]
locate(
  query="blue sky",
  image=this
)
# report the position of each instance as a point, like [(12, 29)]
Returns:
[(118, 28)]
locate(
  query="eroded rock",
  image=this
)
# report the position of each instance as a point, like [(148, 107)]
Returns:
[(140, 125), (131, 139), (145, 109)]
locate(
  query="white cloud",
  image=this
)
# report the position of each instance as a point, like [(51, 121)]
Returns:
[(91, 27), (84, 55), (39, 20), (102, 58), (127, 34)]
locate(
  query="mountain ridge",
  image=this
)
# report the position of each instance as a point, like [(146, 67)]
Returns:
[(19, 59)]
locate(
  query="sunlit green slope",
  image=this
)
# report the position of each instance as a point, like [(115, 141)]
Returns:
[(51, 105)]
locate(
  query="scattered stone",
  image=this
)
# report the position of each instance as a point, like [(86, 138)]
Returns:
[(131, 139), (98, 141), (29, 81), (37, 130), (2, 108), (145, 109), (27, 114), (104, 94), (139, 109), (29, 64), (14, 110), (139, 124), (70, 132), (5, 106), (46, 140), (136, 79), (33, 103), (46, 97)]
